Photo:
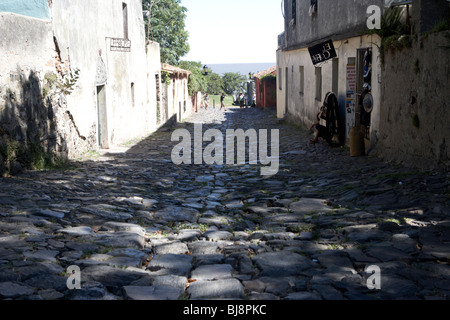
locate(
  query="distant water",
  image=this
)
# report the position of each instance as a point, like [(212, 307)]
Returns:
[(242, 68)]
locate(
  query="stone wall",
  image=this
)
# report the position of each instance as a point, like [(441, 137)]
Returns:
[(415, 113), (35, 124)]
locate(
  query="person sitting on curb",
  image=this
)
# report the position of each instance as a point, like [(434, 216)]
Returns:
[(319, 128)]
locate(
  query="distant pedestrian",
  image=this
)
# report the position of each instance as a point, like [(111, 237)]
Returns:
[(222, 102), (206, 101), (241, 100)]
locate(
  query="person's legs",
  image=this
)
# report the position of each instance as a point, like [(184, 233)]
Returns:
[(316, 135)]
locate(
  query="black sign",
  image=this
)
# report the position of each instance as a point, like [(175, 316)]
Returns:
[(322, 52)]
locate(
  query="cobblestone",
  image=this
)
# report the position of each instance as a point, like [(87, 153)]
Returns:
[(141, 227)]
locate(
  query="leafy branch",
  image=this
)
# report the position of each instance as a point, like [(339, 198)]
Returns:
[(67, 84), (394, 33)]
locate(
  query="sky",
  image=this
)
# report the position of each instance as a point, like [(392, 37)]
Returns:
[(233, 31)]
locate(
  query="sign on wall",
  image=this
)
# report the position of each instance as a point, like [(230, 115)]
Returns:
[(120, 44), (322, 52)]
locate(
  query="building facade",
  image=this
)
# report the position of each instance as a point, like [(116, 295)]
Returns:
[(106, 42), (336, 48), (176, 100), (323, 49), (266, 88), (76, 77)]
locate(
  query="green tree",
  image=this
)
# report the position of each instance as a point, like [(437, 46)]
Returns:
[(233, 82), (215, 83), (197, 81), (165, 24)]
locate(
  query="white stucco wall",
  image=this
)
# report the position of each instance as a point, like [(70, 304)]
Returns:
[(179, 102), (154, 68), (82, 31)]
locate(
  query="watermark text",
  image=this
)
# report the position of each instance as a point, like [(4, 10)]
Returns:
[(234, 143), (374, 19)]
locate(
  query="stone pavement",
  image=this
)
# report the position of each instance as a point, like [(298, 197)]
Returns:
[(140, 227)]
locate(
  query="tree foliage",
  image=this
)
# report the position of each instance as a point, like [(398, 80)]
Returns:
[(215, 84), (233, 82), (197, 81), (167, 27)]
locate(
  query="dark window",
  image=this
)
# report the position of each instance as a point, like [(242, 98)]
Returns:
[(294, 11), (125, 20), (302, 79), (318, 83), (280, 83)]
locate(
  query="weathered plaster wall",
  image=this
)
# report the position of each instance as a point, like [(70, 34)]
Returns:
[(34, 122), (31, 8), (153, 76), (25, 118), (178, 100), (26, 44), (416, 84), (83, 32), (37, 55)]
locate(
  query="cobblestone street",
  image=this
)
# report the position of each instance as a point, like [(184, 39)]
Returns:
[(140, 227)]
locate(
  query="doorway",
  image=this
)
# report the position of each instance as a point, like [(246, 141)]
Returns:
[(363, 87), (103, 140)]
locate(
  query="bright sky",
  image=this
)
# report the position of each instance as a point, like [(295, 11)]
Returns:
[(233, 31)]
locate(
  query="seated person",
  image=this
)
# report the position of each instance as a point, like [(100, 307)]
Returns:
[(319, 126)]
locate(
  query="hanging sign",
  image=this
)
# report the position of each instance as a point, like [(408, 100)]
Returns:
[(322, 52)]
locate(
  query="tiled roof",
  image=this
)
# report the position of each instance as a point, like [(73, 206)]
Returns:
[(172, 69), (268, 71)]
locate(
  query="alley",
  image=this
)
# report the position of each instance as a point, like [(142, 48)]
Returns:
[(140, 227)]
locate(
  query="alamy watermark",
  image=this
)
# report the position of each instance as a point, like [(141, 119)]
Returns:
[(74, 279), (373, 282), (374, 20), (234, 144)]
